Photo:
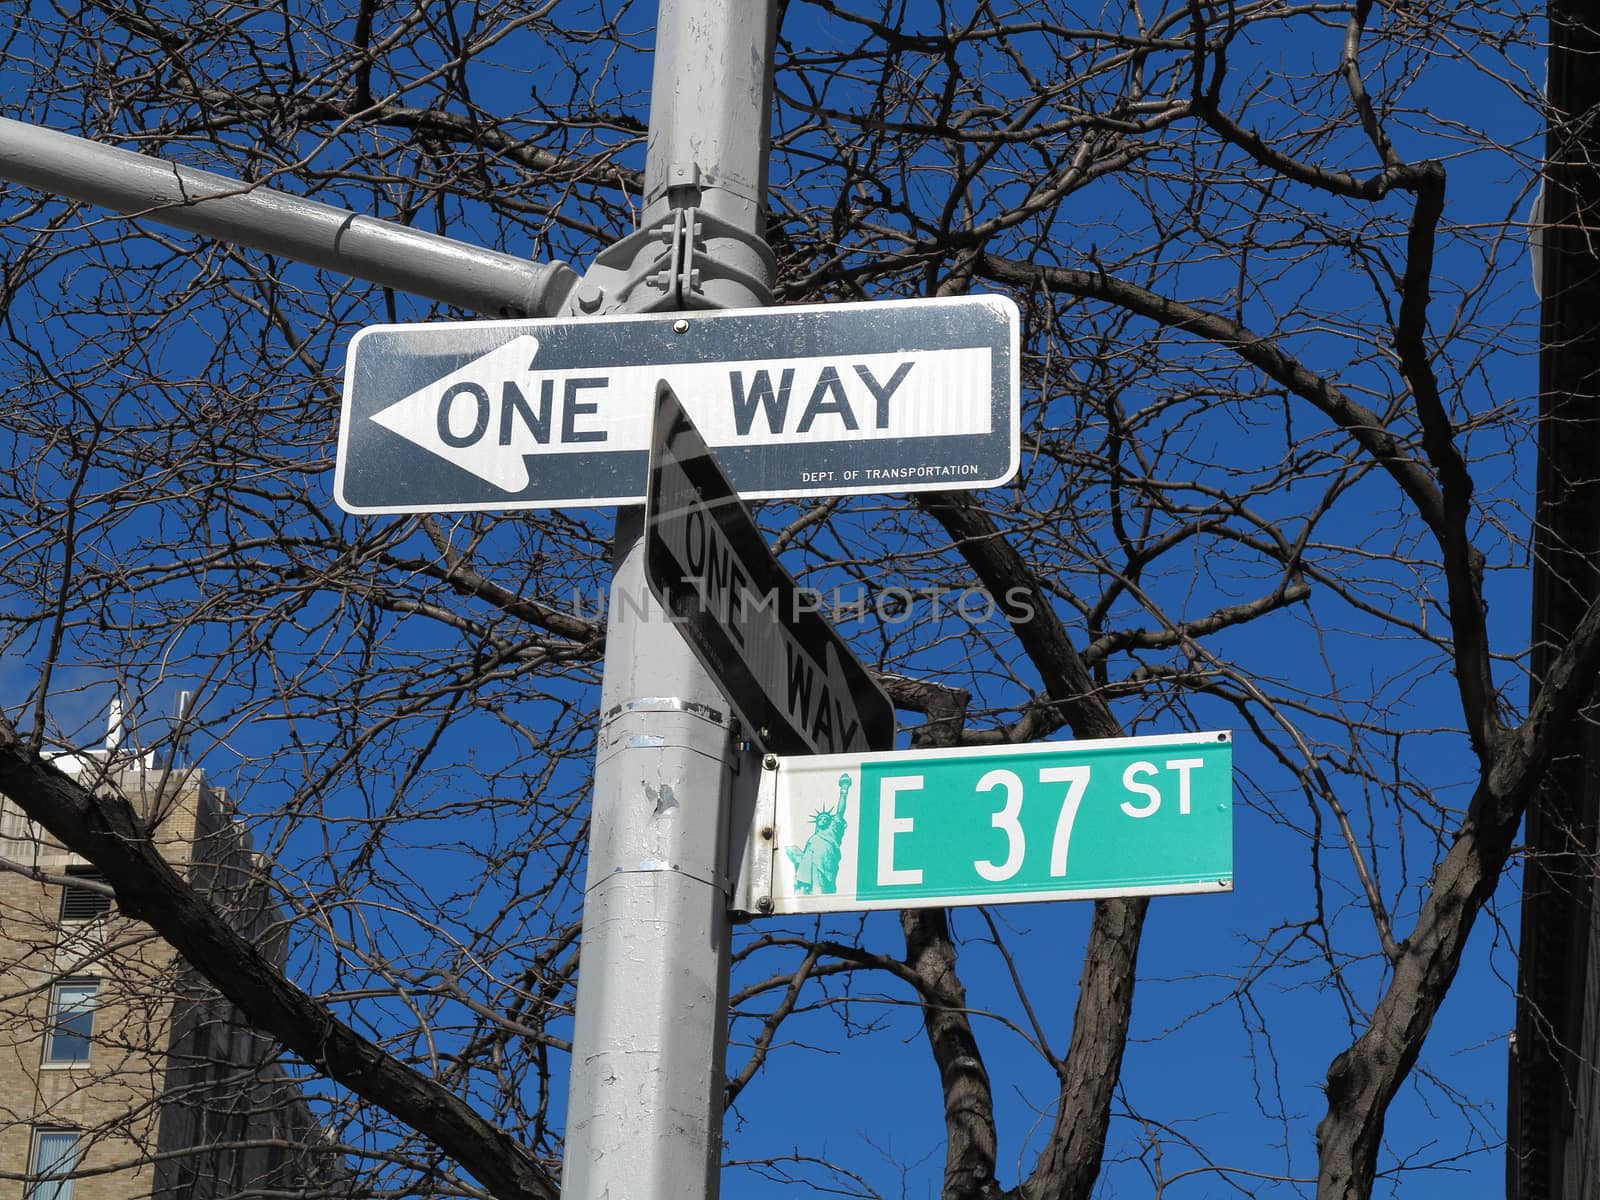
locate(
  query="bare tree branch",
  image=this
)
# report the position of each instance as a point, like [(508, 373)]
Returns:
[(106, 831)]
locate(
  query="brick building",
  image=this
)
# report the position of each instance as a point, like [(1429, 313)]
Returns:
[(120, 1070)]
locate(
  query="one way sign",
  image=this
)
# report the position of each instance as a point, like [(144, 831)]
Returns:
[(794, 683), (843, 399)]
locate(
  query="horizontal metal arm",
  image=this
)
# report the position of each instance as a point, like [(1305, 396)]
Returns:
[(409, 260)]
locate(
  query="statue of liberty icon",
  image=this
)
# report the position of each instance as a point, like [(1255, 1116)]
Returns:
[(816, 864)]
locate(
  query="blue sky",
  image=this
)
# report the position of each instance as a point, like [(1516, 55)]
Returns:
[(1233, 1069)]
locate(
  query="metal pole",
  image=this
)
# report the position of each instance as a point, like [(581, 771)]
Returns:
[(710, 109), (644, 1109), (246, 214)]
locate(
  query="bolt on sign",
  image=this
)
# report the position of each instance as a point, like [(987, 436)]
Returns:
[(1137, 816)]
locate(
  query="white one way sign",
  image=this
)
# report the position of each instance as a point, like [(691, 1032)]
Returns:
[(827, 400)]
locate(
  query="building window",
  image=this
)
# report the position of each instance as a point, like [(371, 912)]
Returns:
[(84, 903), (55, 1154), (71, 1021)]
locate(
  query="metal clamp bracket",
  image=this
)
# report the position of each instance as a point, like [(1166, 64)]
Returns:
[(656, 866), (673, 704), (690, 259)]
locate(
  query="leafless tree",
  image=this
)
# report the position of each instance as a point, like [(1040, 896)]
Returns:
[(1279, 406)]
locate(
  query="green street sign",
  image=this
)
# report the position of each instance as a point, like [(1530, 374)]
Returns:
[(1051, 821)]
